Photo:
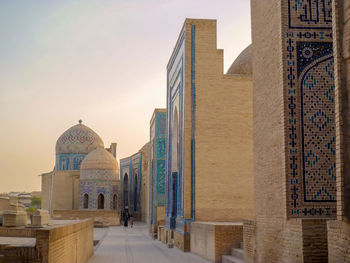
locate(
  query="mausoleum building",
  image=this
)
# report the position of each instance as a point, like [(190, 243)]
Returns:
[(85, 177), (209, 173), (157, 169)]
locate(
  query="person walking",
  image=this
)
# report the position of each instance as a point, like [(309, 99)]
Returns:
[(126, 218), (131, 221)]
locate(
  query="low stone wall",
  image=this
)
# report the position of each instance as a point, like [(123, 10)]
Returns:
[(249, 240), (182, 241), (9, 254), (160, 232), (165, 235), (106, 218), (160, 215), (63, 242), (338, 241), (212, 240)]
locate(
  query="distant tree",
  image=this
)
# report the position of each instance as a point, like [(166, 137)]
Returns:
[(31, 209), (36, 201)]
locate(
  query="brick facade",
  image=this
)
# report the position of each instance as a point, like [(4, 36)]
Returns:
[(280, 161), (339, 230), (134, 178), (209, 158), (157, 169), (71, 242), (212, 240)]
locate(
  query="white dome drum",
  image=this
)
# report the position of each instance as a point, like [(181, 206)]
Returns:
[(99, 165)]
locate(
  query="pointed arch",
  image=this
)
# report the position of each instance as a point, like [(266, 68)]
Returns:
[(86, 201), (101, 201), (115, 201)]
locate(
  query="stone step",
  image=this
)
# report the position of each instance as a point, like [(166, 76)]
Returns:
[(237, 252), (231, 259)]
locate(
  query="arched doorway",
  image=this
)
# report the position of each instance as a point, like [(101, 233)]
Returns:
[(126, 192), (86, 201), (135, 193), (175, 141), (101, 201), (115, 202), (174, 176)]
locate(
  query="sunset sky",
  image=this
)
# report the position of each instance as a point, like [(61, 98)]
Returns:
[(101, 61)]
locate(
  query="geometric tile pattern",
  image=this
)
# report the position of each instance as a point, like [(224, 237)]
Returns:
[(98, 174), (95, 187), (309, 108), (161, 176), (160, 157), (78, 139), (158, 164), (161, 149)]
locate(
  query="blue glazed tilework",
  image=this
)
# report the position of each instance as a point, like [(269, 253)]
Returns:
[(309, 109), (307, 14), (69, 161)]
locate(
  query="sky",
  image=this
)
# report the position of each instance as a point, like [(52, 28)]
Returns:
[(102, 61)]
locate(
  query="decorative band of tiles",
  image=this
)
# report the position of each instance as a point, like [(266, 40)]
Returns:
[(309, 108)]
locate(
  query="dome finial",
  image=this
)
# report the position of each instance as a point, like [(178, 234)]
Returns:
[(80, 121)]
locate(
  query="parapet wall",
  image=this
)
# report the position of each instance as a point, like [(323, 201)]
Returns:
[(212, 240), (106, 218), (68, 242)]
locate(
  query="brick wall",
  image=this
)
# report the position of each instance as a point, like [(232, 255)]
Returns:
[(338, 242), (211, 240), (339, 231), (160, 215), (226, 237), (45, 190), (108, 218), (181, 241), (341, 43), (223, 153), (315, 245), (223, 109), (277, 238), (13, 254), (70, 242), (249, 240)]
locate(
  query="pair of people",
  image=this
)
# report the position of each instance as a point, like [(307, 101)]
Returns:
[(126, 217)]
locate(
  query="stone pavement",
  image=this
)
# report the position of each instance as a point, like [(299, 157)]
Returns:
[(133, 245)]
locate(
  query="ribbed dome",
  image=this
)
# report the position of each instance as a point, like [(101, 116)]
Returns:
[(243, 63), (99, 164), (78, 139)]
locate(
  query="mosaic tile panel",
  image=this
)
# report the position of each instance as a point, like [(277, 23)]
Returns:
[(98, 174), (78, 139), (95, 187), (161, 176), (309, 108), (161, 124), (161, 148), (66, 162)]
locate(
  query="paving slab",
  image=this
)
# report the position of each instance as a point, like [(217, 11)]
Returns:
[(133, 245)]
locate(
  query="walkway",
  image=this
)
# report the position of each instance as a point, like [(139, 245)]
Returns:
[(133, 245)]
